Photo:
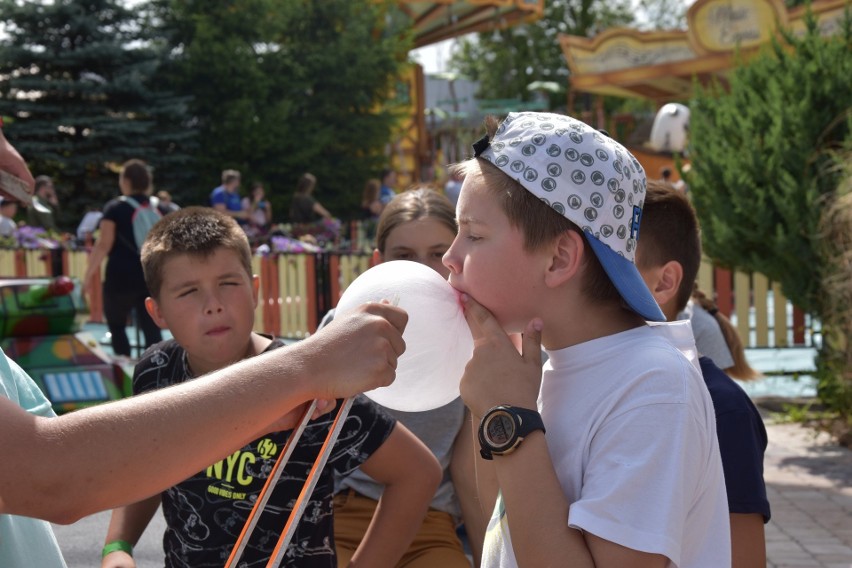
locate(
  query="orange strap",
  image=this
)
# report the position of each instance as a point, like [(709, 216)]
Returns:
[(302, 501)]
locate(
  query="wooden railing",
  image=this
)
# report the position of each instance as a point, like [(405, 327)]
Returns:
[(297, 289)]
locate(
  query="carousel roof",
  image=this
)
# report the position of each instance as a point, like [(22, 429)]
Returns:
[(438, 20), (663, 66)]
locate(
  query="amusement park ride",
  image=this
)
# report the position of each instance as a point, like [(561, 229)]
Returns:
[(40, 329)]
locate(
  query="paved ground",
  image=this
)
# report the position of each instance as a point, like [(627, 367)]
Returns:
[(809, 481)]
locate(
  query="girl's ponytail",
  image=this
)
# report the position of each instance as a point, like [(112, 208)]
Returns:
[(741, 369)]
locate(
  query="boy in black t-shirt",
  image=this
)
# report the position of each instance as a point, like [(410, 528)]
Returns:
[(668, 256), (197, 266)]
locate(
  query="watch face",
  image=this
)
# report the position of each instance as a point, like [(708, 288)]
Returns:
[(500, 429)]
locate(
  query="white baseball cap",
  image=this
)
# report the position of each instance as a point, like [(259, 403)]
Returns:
[(588, 178)]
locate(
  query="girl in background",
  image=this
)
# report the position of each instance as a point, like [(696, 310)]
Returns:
[(371, 207), (716, 337), (419, 225), (304, 208), (259, 210)]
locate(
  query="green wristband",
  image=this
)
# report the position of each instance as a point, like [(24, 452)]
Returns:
[(117, 545)]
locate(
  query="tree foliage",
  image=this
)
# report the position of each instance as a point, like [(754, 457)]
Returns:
[(281, 87), (77, 81), (506, 61), (762, 158), (834, 364)]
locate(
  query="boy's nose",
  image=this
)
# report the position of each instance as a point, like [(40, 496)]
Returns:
[(450, 260), (213, 304)]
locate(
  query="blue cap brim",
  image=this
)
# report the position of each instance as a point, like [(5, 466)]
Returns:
[(627, 280)]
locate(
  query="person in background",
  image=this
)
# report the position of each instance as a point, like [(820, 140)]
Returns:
[(124, 287), (88, 225), (681, 184), (226, 197), (387, 191), (418, 225), (452, 188), (259, 211), (668, 256), (42, 211), (304, 208), (165, 203), (8, 210), (371, 205)]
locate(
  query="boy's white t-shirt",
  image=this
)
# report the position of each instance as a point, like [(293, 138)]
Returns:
[(632, 435)]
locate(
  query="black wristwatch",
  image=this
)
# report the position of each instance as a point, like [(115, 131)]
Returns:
[(504, 427)]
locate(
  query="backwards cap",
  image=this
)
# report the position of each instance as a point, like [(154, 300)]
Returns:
[(588, 178)]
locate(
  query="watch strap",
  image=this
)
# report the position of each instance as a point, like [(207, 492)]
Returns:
[(526, 422)]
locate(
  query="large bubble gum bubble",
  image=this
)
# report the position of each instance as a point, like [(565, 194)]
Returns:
[(437, 339)]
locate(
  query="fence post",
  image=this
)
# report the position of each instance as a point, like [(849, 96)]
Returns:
[(724, 294), (742, 297), (761, 309), (780, 317), (311, 292), (798, 326)]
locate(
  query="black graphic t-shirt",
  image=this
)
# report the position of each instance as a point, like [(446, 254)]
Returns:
[(205, 513)]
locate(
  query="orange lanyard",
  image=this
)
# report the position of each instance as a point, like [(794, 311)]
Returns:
[(307, 489)]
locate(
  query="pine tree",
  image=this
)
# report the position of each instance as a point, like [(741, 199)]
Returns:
[(77, 83), (762, 156)]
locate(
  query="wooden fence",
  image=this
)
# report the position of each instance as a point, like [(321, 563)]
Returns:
[(297, 289)]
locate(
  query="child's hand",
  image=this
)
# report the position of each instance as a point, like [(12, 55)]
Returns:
[(497, 373)]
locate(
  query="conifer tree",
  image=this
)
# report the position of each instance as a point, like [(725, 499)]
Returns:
[(77, 85), (762, 157)]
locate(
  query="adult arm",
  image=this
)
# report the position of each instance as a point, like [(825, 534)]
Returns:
[(97, 458), (106, 239), (410, 474), (241, 214), (320, 210), (376, 207), (12, 162), (498, 374), (127, 524)]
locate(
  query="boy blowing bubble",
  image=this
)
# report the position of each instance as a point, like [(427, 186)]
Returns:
[(607, 457)]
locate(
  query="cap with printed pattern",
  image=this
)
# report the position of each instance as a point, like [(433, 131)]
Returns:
[(588, 178)]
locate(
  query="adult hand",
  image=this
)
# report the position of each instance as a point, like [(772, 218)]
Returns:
[(497, 373), (358, 351), (88, 284), (12, 162)]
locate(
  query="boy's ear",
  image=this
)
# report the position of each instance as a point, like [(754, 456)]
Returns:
[(378, 257), (153, 309), (566, 258), (666, 282)]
